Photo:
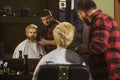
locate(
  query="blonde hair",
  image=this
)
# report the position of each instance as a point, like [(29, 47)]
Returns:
[(31, 26), (64, 34)]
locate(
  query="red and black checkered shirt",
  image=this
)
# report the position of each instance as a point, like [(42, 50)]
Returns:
[(47, 33), (104, 46)]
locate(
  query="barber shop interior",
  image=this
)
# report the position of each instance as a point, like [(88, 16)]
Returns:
[(60, 40)]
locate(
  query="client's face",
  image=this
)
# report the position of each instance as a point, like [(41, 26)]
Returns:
[(31, 34)]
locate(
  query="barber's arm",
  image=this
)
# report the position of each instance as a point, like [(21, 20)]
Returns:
[(82, 49), (44, 42)]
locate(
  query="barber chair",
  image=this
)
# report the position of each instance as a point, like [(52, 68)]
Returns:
[(63, 72)]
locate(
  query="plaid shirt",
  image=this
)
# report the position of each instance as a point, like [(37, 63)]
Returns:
[(104, 46), (47, 34)]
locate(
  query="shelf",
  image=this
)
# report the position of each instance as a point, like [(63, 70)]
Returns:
[(19, 19)]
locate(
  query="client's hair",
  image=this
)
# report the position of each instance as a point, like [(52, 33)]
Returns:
[(31, 26), (64, 34)]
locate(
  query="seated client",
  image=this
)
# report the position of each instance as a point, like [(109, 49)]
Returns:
[(29, 46), (64, 35)]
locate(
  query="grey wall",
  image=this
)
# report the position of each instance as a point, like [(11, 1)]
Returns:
[(106, 5)]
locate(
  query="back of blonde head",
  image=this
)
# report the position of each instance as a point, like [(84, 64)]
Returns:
[(64, 34)]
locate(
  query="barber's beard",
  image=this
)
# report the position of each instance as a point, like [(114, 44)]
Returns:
[(47, 24), (87, 21)]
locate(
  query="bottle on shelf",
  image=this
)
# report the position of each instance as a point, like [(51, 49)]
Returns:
[(1, 64), (25, 70), (20, 54)]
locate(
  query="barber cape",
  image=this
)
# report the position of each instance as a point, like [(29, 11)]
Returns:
[(32, 49), (58, 56)]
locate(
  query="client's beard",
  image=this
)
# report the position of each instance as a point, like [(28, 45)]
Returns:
[(31, 39)]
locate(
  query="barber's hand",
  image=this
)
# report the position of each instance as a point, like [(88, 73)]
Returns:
[(42, 42), (82, 49)]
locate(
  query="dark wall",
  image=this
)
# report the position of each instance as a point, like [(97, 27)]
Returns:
[(17, 5), (12, 31), (52, 5), (34, 5)]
